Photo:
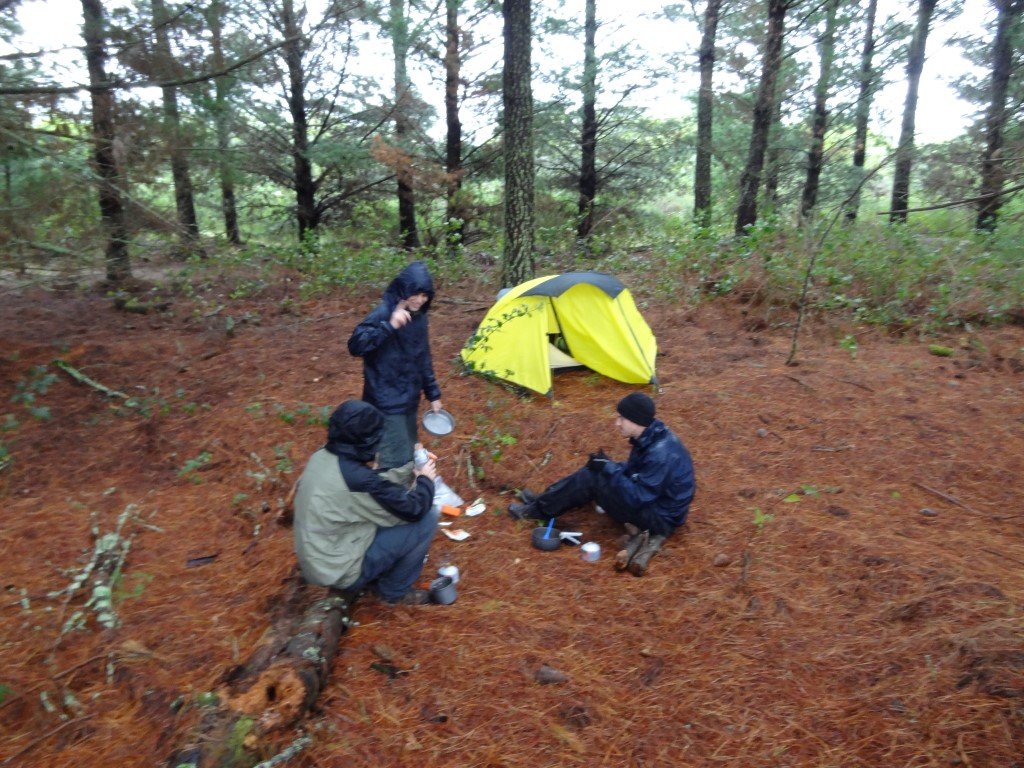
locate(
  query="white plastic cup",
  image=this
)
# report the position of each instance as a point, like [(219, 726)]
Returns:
[(451, 571), (590, 552)]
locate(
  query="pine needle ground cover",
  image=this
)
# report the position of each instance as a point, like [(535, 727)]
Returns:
[(848, 591)]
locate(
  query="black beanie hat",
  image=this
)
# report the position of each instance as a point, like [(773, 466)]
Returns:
[(638, 408)]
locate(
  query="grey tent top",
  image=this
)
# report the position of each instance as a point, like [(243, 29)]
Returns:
[(559, 284)]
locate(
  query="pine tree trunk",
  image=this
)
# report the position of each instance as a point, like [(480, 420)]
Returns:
[(863, 111), (992, 170), (407, 228), (184, 199), (305, 187), (905, 148), (111, 205), (773, 158), (816, 153), (517, 97), (750, 182), (702, 199), (588, 137), (221, 116), (455, 224)]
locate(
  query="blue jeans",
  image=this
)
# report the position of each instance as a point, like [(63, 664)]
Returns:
[(400, 431), (395, 558)]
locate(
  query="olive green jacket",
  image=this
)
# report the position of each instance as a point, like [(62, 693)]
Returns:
[(334, 526)]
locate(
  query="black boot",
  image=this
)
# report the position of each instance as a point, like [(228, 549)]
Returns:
[(527, 511)]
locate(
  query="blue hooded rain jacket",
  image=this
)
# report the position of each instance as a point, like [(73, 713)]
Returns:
[(397, 366)]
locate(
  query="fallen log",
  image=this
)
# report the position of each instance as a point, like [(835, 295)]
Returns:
[(273, 690)]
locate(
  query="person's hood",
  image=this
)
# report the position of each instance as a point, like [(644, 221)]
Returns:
[(415, 278), (354, 430)]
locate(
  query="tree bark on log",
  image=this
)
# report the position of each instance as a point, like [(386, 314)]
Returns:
[(273, 690)]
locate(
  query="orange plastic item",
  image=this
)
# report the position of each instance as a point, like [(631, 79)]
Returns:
[(448, 509)]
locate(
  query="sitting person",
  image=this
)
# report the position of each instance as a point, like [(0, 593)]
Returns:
[(357, 527), (651, 490)]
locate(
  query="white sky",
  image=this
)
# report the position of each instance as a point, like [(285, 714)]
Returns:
[(53, 24)]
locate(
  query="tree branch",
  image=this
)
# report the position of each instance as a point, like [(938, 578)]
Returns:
[(955, 203), (55, 90)]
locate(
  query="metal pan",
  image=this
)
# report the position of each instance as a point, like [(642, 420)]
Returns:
[(438, 423)]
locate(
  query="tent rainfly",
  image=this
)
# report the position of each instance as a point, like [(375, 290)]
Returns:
[(573, 319)]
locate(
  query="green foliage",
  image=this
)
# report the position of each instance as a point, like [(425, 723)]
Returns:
[(27, 389), (284, 463), (5, 692), (849, 343), (131, 586), (761, 519), (191, 467)]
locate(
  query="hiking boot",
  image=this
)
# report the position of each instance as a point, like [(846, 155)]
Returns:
[(527, 511), (527, 496), (632, 530), (412, 597)]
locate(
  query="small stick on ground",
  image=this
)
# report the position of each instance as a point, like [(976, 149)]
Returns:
[(947, 497), (81, 378)]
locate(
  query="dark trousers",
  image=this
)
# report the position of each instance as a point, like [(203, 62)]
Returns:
[(584, 486), (400, 433), (395, 558)]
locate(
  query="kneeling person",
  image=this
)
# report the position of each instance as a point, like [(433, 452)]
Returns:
[(651, 490), (356, 526)]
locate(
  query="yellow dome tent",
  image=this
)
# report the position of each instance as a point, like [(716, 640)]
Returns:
[(576, 318)]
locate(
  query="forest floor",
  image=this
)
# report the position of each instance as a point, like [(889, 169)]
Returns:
[(869, 503)]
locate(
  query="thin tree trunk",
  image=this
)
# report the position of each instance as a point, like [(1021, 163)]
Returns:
[(517, 97), (863, 111), (702, 199), (905, 148), (455, 224), (773, 158), (588, 137), (184, 200), (993, 172), (103, 135), (221, 117), (403, 96), (305, 186), (750, 182), (816, 154)]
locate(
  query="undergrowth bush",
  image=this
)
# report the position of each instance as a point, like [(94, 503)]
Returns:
[(871, 272)]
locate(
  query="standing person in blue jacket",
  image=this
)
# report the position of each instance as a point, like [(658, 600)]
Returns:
[(651, 490), (397, 367)]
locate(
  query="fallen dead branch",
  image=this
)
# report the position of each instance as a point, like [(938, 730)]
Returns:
[(81, 378), (957, 502)]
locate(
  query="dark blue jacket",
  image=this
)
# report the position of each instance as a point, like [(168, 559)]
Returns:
[(397, 366), (658, 476)]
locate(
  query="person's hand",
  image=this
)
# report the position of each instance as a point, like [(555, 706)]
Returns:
[(598, 460), (400, 316), (435, 406), (428, 470)]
